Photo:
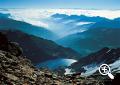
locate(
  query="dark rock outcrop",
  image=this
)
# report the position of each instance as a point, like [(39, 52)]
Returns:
[(3, 42), (11, 47)]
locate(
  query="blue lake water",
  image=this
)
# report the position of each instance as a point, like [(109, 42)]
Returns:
[(56, 63)]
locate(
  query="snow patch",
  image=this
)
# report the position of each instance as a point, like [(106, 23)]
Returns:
[(68, 71), (90, 69), (115, 66)]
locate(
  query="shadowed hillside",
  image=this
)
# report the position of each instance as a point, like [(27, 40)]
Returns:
[(38, 49)]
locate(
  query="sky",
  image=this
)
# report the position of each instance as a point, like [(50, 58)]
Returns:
[(83, 4)]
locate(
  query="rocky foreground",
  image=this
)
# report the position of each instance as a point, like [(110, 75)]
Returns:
[(16, 69)]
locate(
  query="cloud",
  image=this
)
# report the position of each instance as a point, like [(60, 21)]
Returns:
[(36, 16)]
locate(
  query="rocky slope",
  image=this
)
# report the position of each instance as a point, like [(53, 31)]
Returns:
[(15, 69)]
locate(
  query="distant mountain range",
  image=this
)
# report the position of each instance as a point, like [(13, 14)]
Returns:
[(7, 23), (71, 24), (38, 49), (107, 24), (77, 18), (101, 34)]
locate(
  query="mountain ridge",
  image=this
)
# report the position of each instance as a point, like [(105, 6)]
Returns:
[(99, 35), (39, 49), (103, 56), (8, 23)]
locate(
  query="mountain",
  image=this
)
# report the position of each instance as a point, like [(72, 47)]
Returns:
[(18, 70), (65, 25), (80, 18), (91, 63), (107, 24), (4, 15), (57, 15), (38, 49), (7, 23), (101, 34)]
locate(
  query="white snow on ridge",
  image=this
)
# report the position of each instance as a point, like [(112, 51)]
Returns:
[(68, 71), (115, 66), (90, 69)]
